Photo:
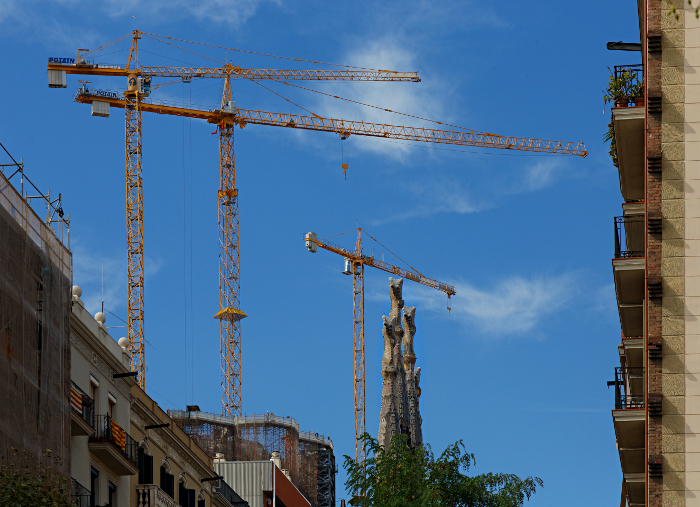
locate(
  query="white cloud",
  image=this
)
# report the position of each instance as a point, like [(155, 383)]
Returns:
[(513, 306), (89, 268), (538, 176), (436, 196), (231, 12), (419, 99)]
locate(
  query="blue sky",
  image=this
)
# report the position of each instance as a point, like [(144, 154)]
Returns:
[(517, 370)]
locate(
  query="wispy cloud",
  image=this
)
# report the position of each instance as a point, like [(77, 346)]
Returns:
[(511, 306), (538, 176), (424, 99), (90, 269), (436, 196), (229, 12)]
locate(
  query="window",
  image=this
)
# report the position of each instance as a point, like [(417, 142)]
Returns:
[(167, 482), (94, 385), (186, 497), (201, 503), (94, 486), (112, 495), (145, 467), (111, 406)]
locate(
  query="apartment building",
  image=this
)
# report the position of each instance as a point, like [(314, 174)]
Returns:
[(656, 264), (104, 456)]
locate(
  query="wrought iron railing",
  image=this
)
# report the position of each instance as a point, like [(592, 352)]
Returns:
[(82, 404), (629, 236), (629, 388), (79, 494), (634, 73), (106, 430)]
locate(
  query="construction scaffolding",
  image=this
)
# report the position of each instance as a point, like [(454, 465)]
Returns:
[(35, 306), (306, 457)]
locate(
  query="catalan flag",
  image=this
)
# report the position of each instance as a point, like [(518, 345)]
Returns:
[(76, 400), (118, 434)]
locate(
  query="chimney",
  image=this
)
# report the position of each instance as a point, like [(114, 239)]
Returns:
[(275, 458)]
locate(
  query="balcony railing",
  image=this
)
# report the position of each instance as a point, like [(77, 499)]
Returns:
[(106, 430), (629, 236), (629, 388), (79, 495), (635, 75), (82, 404)]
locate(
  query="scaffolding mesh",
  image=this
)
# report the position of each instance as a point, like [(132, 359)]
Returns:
[(35, 302), (307, 457)]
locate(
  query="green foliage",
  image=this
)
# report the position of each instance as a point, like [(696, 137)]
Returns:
[(672, 11), (31, 485), (626, 86), (610, 136), (405, 477)]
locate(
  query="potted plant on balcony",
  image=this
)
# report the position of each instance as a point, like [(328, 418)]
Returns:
[(620, 88), (637, 93)]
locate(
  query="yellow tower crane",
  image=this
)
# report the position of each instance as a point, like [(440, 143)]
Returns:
[(139, 86), (135, 101), (355, 263)]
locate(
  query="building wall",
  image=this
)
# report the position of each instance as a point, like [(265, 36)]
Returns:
[(96, 355), (184, 458), (686, 39), (35, 278)]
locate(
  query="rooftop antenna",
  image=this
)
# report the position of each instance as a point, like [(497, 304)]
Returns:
[(103, 287)]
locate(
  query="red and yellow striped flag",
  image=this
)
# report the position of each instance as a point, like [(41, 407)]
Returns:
[(76, 400), (118, 435)]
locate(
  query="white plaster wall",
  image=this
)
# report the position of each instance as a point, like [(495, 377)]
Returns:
[(82, 367), (691, 138)]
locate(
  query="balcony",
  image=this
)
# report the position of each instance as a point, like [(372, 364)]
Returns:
[(629, 388), (79, 495), (628, 272), (628, 419), (82, 417), (113, 446), (150, 495), (628, 123)]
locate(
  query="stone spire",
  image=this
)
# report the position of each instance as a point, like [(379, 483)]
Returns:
[(399, 412)]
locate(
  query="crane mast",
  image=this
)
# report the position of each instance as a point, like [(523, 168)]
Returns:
[(135, 102)]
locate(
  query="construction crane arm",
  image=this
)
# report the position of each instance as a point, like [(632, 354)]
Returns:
[(384, 266), (91, 69), (345, 128)]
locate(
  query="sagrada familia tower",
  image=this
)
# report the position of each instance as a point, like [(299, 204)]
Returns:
[(399, 413)]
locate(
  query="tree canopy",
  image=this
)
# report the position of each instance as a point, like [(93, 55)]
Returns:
[(31, 485), (403, 477)]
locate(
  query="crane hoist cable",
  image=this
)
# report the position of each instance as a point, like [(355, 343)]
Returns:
[(183, 49), (387, 110), (154, 36)]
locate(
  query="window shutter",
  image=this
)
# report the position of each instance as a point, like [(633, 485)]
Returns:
[(190, 498), (163, 479), (141, 466), (181, 495), (148, 469), (201, 503), (171, 486)]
